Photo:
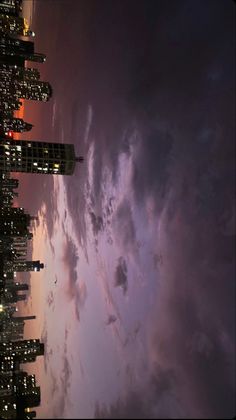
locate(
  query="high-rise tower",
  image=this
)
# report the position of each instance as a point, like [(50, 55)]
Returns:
[(14, 222), (18, 125), (14, 25), (11, 7), (37, 157), (25, 265), (36, 90)]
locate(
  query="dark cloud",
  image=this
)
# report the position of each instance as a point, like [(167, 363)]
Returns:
[(66, 375), (76, 288), (50, 299), (55, 386), (65, 382), (71, 259), (124, 227), (192, 329), (154, 403), (132, 408), (48, 352), (97, 223), (121, 278), (185, 160), (111, 319)]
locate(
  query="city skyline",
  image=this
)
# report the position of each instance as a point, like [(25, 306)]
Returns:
[(135, 303), (19, 392)]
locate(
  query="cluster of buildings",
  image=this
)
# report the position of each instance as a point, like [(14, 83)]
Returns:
[(19, 393)]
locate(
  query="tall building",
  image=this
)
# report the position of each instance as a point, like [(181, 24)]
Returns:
[(14, 222), (18, 287), (11, 7), (16, 383), (23, 350), (12, 297), (37, 157), (10, 71), (15, 46), (35, 90), (15, 25), (24, 265), (20, 58), (12, 60), (17, 125), (9, 105)]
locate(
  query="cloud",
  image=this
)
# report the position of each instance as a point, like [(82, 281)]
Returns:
[(132, 408), (66, 375), (192, 330), (151, 402), (64, 387), (88, 123), (121, 279), (191, 334), (76, 289), (48, 352), (50, 299), (124, 227), (111, 319), (185, 161), (97, 223), (71, 259), (55, 386)]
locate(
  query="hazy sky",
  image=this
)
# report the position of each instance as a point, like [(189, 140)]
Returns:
[(136, 304)]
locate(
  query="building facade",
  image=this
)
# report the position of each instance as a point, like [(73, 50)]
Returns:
[(37, 157)]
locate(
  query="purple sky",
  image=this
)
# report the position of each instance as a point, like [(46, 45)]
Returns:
[(141, 239)]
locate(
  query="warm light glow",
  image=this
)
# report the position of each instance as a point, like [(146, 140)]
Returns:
[(9, 134), (26, 26)]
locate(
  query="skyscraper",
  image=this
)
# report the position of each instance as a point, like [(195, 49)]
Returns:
[(18, 125), (15, 46), (14, 25), (10, 71), (36, 90), (37, 157), (18, 287), (25, 265), (11, 7), (23, 350), (14, 222)]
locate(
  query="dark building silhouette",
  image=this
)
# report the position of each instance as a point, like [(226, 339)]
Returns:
[(14, 25), (14, 222), (11, 7), (17, 125)]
